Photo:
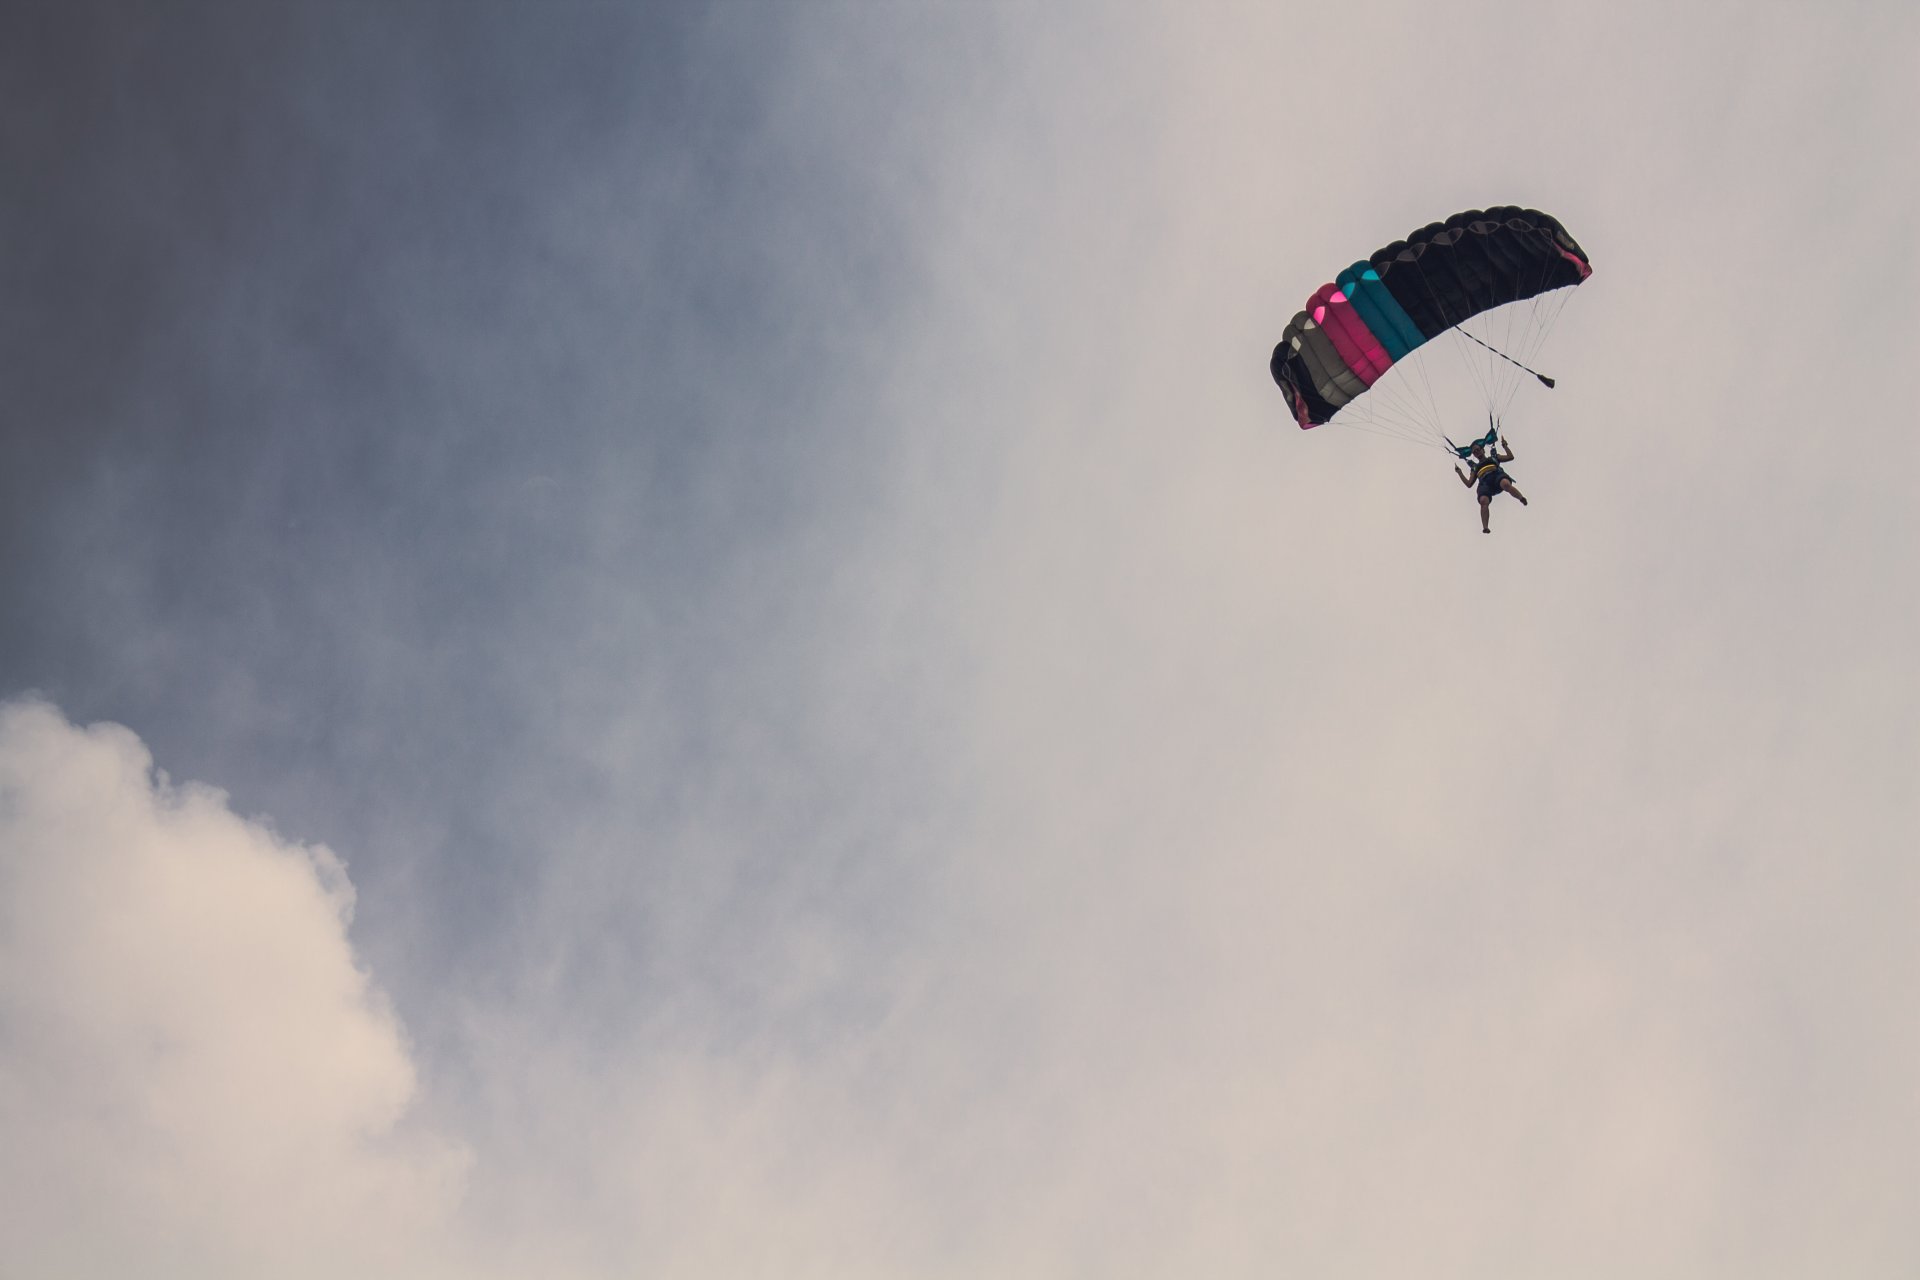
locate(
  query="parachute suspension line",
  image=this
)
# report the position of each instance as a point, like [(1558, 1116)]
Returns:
[(1514, 341), (1432, 400), (1517, 335), (1543, 311), (1546, 307), (1504, 313), (1376, 415), (1523, 334), (1514, 352), (1480, 379), (1537, 329), (1407, 391), (1401, 403), (1500, 383), (1398, 394)]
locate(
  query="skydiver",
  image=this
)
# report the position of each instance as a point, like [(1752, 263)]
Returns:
[(1489, 477)]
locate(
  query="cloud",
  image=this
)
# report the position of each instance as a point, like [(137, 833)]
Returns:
[(198, 1079), (939, 779)]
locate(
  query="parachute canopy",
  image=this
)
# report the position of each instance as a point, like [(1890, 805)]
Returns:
[(1380, 311)]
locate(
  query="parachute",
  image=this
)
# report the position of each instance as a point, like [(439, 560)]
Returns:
[(1487, 283)]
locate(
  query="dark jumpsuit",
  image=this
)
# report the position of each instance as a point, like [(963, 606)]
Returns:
[(1490, 474)]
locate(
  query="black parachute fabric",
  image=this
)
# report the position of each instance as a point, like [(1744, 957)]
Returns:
[(1381, 310)]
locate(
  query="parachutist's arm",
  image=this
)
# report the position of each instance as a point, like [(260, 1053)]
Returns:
[(1465, 479), (1506, 453)]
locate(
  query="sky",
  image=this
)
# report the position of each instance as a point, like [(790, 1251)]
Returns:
[(690, 640)]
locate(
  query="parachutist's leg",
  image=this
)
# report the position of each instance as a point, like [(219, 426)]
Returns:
[(1508, 486), (1486, 509)]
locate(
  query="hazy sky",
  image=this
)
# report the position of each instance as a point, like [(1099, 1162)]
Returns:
[(691, 641)]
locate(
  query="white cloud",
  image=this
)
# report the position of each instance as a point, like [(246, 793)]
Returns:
[(198, 1078)]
